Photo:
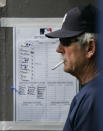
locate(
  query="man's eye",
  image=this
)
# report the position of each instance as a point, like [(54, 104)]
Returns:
[(67, 42)]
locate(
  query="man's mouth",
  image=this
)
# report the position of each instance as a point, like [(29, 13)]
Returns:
[(63, 58)]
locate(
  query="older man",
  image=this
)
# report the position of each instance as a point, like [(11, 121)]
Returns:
[(78, 39)]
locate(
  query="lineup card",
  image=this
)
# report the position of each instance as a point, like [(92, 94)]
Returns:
[(41, 94)]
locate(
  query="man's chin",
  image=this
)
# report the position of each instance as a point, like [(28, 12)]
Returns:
[(68, 71)]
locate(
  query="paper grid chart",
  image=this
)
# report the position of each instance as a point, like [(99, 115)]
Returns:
[(42, 94)]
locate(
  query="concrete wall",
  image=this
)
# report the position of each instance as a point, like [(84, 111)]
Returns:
[(6, 74), (41, 8)]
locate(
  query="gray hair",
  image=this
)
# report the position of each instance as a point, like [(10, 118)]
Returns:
[(86, 37)]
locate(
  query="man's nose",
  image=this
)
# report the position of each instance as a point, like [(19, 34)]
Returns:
[(60, 49)]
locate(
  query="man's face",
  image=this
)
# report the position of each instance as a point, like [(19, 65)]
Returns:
[(75, 57)]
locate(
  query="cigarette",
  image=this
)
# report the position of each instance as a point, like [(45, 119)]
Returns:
[(58, 64)]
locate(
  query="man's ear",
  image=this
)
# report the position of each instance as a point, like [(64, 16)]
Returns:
[(91, 48)]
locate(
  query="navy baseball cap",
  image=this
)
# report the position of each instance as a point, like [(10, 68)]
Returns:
[(77, 21)]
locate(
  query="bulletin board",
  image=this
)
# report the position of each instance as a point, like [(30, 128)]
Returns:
[(41, 95)]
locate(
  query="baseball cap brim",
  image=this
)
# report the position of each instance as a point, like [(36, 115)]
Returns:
[(63, 34)]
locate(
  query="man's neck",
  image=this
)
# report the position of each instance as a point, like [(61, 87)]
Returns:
[(88, 73)]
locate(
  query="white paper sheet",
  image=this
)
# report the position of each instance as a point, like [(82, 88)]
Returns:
[(41, 94)]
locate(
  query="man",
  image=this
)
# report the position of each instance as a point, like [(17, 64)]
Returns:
[(78, 39)]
